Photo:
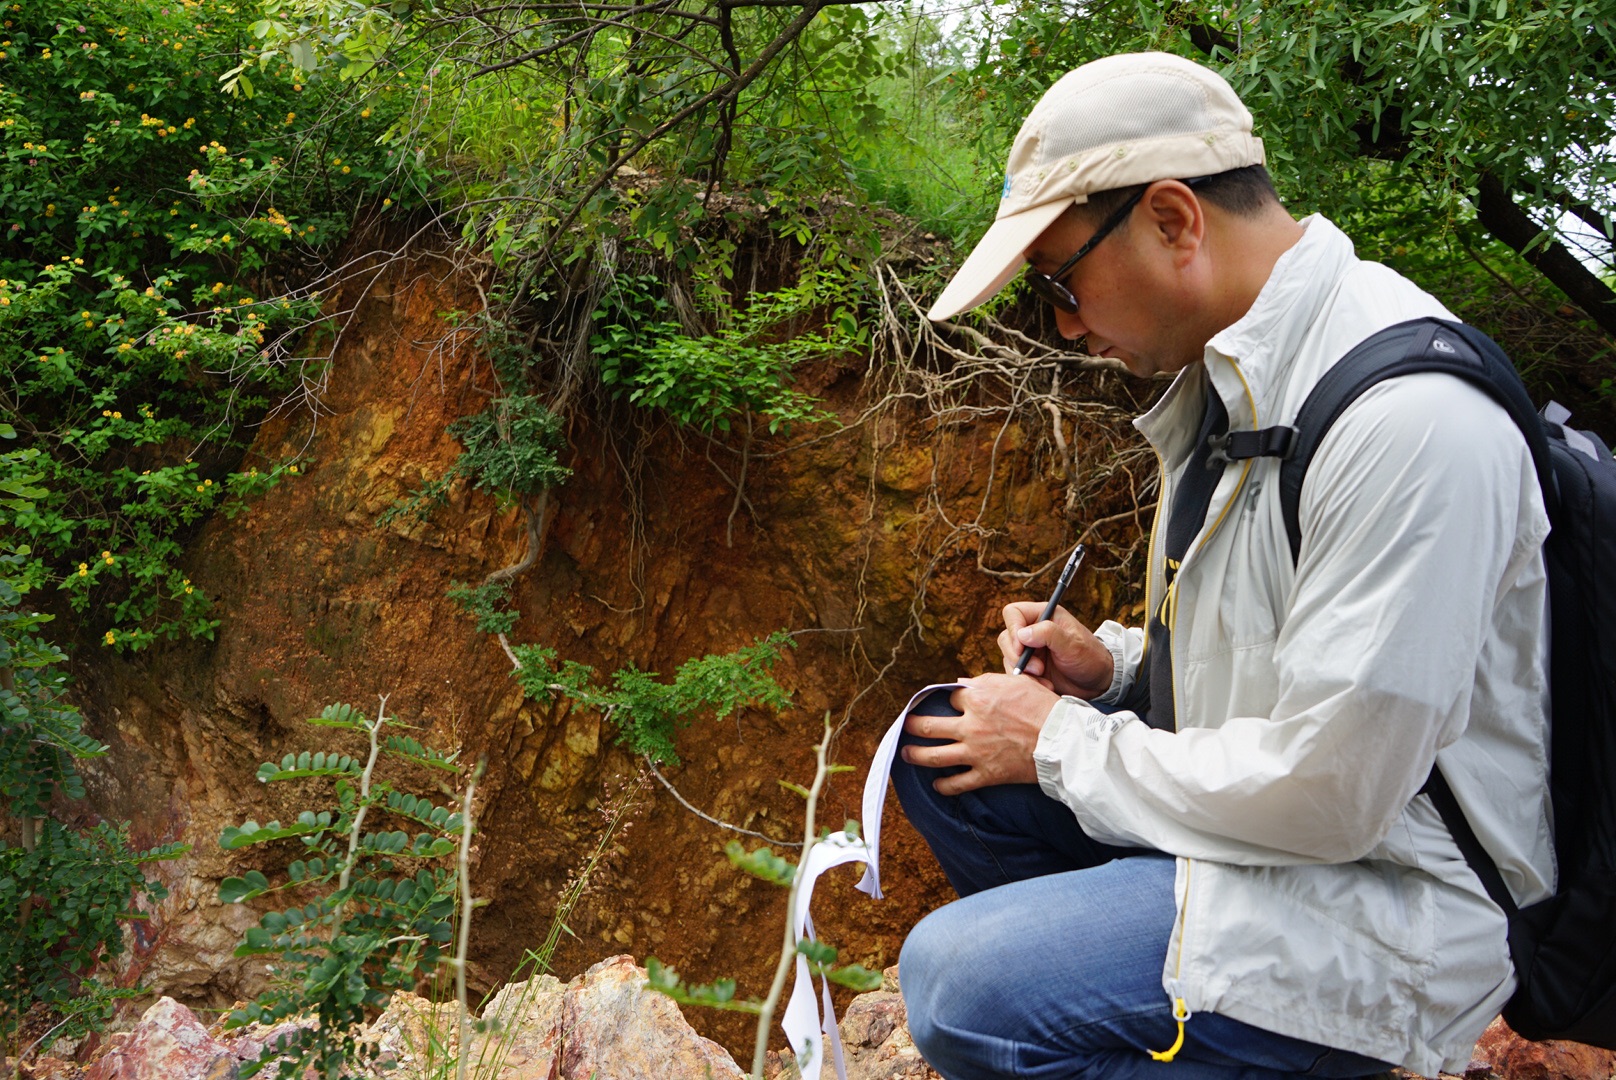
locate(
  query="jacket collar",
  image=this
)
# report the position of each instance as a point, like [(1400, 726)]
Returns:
[(1249, 361)]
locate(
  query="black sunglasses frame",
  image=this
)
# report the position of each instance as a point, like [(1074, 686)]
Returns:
[(1052, 287)]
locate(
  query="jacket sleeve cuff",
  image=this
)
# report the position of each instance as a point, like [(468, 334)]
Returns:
[(1071, 723), (1126, 646)]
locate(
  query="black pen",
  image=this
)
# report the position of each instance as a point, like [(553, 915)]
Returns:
[(1054, 601)]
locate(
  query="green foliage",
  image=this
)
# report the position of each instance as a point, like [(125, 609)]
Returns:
[(761, 863), (1385, 115), (822, 961), (66, 891), (648, 713), (368, 911), (511, 447), (487, 603), (718, 994), (144, 218), (742, 368), (72, 892), (511, 452), (311, 34)]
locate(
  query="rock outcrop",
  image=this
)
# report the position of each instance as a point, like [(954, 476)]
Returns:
[(606, 1025), (1503, 1054)]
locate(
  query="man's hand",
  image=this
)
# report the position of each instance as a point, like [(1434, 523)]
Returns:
[(995, 737), (1068, 660)]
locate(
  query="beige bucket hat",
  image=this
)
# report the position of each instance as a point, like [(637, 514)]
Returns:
[(1119, 121)]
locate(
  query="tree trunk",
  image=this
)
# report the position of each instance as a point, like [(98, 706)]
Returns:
[(1507, 221)]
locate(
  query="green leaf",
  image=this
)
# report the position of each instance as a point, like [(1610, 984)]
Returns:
[(762, 863), (855, 977), (250, 832), (340, 716), (719, 994), (234, 890)]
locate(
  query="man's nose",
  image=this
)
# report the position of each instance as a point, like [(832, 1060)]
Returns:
[(1071, 326)]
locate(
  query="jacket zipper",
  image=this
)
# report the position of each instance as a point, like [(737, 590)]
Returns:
[(1181, 1009)]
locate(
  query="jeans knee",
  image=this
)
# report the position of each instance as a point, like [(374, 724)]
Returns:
[(922, 967)]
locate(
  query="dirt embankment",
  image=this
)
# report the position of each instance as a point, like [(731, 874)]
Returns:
[(875, 542)]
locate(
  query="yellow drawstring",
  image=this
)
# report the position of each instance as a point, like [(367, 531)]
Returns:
[(1181, 1008), (1181, 1013)]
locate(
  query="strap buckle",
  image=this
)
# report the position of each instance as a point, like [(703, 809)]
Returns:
[(1276, 442)]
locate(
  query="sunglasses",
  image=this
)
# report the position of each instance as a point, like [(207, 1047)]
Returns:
[(1052, 287)]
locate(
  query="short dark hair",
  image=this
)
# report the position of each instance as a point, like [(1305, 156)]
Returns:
[(1244, 192)]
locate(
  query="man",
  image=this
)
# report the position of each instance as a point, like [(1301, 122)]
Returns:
[(1241, 876)]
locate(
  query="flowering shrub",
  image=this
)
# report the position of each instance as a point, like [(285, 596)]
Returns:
[(148, 227), (66, 889)]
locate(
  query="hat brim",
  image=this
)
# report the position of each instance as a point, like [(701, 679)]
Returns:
[(996, 258)]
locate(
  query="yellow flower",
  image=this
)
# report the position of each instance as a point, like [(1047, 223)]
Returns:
[(117, 416), (387, 202), (187, 590), (111, 637), (345, 168), (292, 469), (364, 114)]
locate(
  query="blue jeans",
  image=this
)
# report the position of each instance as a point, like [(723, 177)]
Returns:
[(1051, 964)]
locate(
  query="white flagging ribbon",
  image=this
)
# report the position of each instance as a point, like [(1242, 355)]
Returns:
[(803, 1023)]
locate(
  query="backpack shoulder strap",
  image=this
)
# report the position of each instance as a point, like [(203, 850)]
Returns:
[(1408, 348)]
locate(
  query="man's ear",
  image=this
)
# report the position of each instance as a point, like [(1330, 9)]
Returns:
[(1175, 217)]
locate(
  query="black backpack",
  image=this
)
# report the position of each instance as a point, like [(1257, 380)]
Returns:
[(1564, 947)]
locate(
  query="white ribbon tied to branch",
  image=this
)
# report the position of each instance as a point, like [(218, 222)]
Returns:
[(807, 1029)]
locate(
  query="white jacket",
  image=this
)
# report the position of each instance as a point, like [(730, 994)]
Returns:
[(1318, 897)]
